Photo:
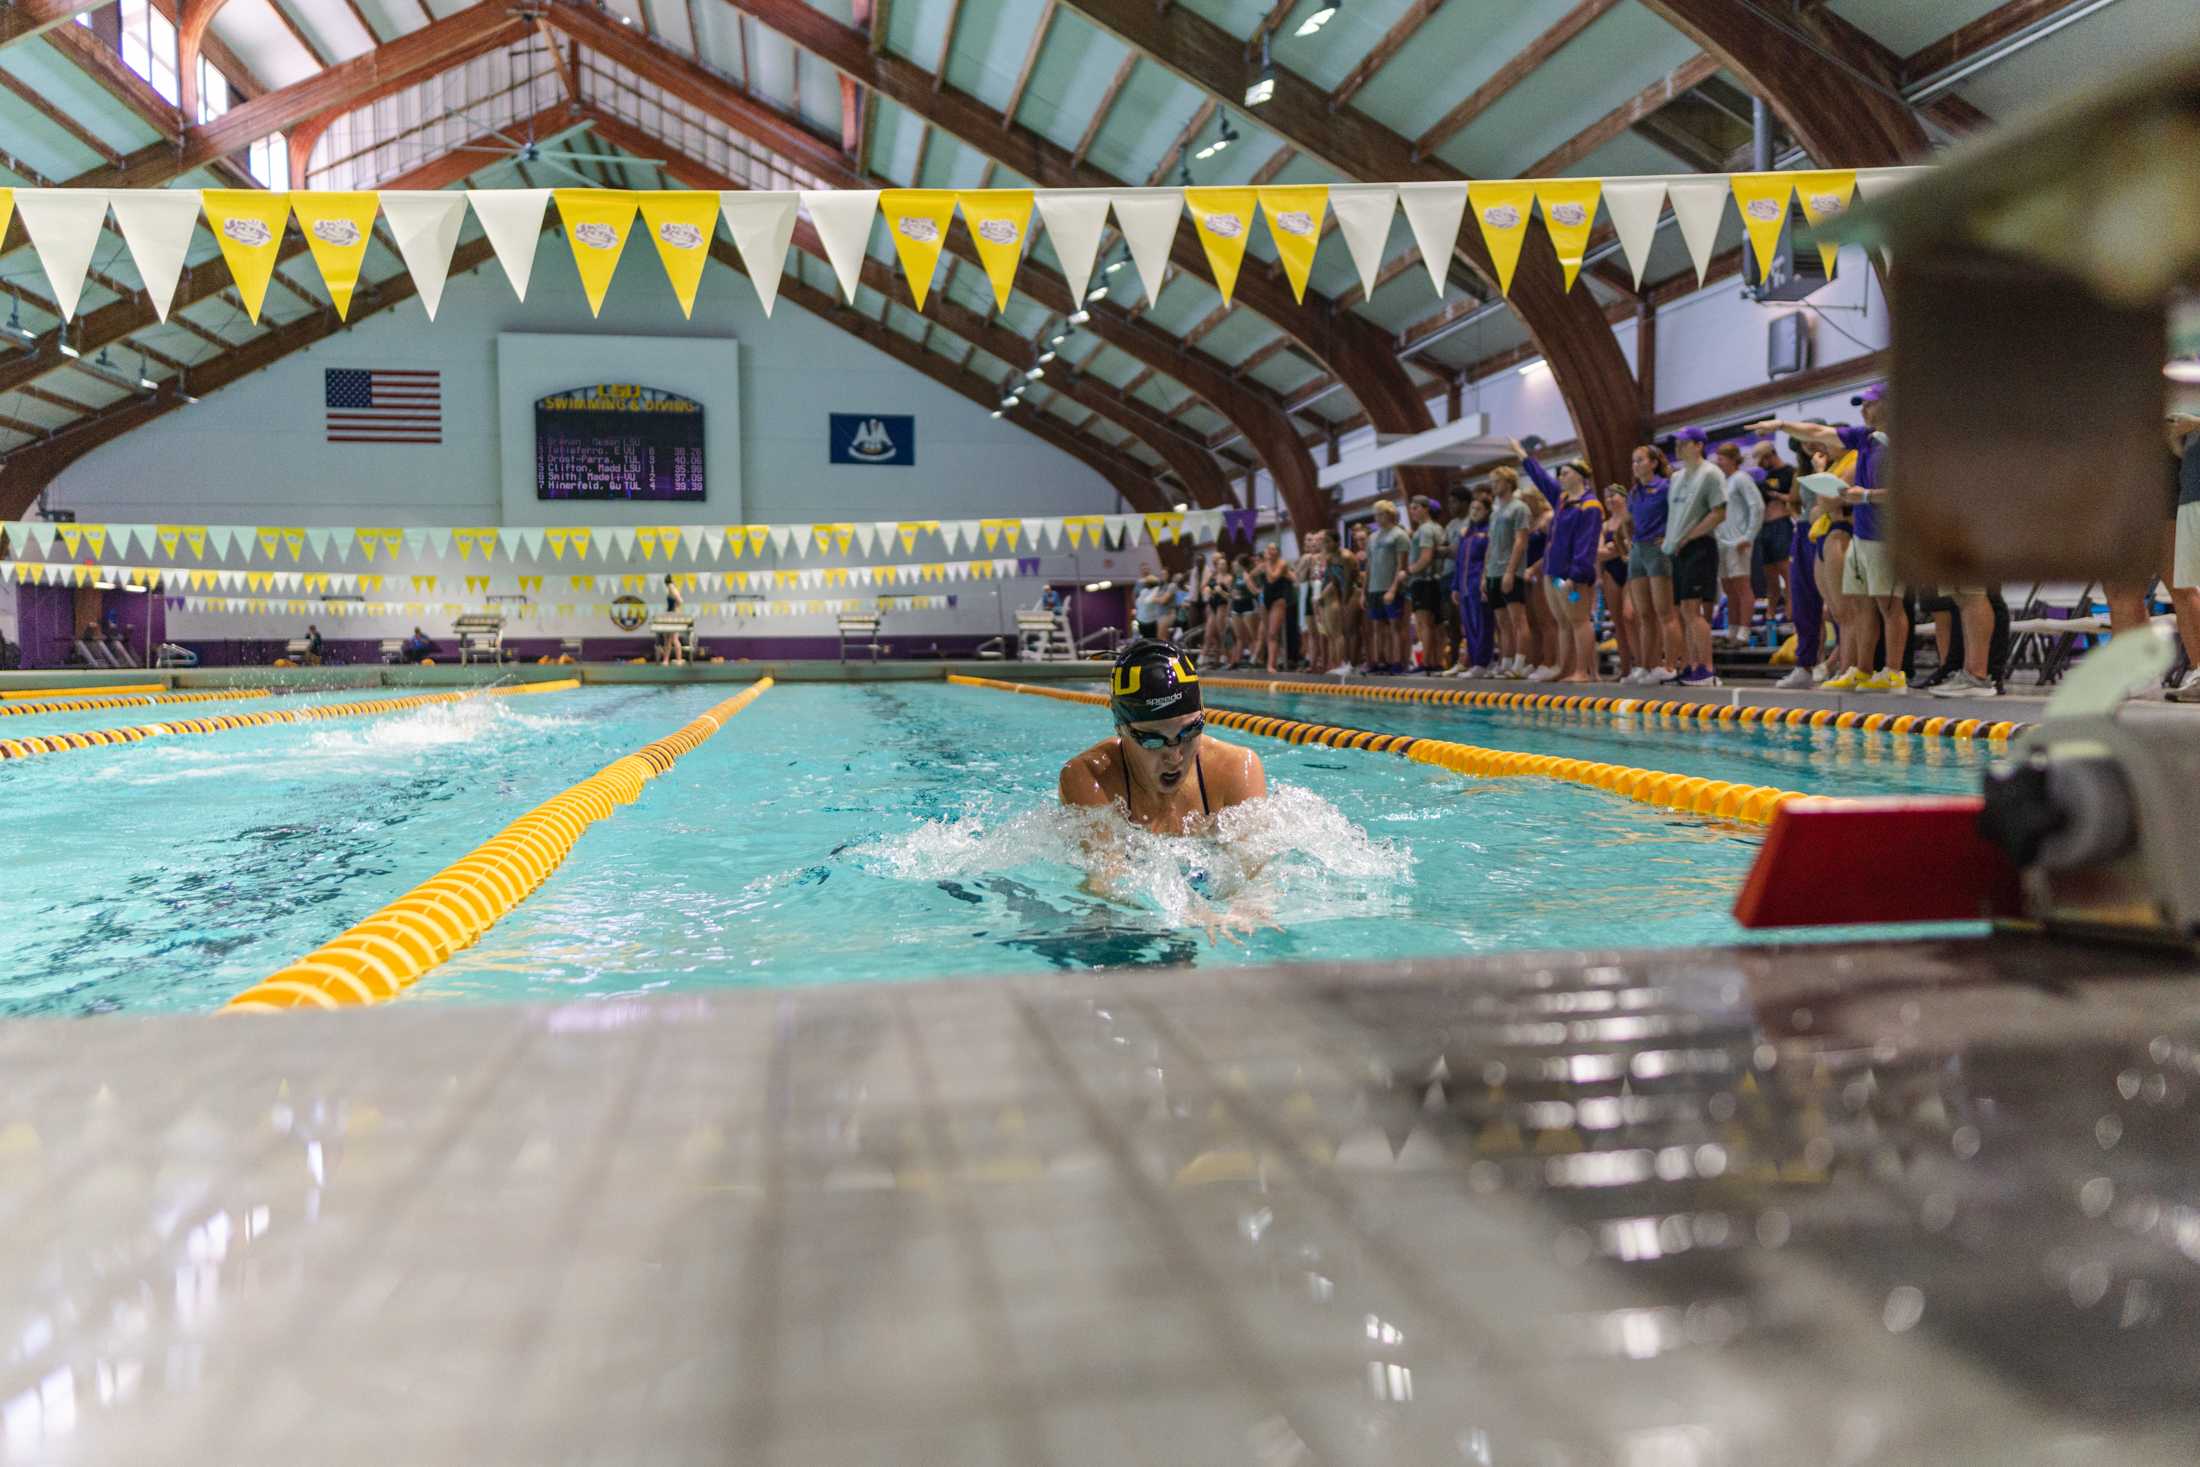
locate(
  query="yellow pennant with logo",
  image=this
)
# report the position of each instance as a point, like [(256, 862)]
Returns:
[(917, 219), (840, 535), (597, 222), (1164, 528), (1078, 525), (170, 536), (295, 542), (680, 223), (1224, 219), (1295, 225), (1000, 225), (194, 537), (910, 529), (7, 208), (95, 536), (647, 539), (1569, 212), (1501, 210), (1826, 196), (337, 227), (993, 530), (248, 224), (1763, 200), (759, 536)]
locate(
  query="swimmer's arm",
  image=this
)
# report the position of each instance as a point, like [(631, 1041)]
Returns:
[(1104, 862)]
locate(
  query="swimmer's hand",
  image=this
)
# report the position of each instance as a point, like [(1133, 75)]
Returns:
[(1234, 924)]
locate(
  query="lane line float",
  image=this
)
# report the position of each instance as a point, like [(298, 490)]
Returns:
[(67, 702), (379, 958), (86, 690), (1690, 794)]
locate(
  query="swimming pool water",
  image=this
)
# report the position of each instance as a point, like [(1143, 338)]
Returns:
[(843, 833)]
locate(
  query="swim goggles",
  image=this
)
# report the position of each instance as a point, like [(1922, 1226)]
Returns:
[(1147, 738)]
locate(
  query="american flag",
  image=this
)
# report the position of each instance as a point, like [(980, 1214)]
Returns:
[(367, 405)]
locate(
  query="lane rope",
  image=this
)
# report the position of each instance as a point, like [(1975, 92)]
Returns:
[(98, 738), (1683, 711), (74, 702), (82, 690), (379, 958), (1690, 794)]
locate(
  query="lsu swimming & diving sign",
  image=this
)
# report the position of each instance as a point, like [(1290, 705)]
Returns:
[(874, 438)]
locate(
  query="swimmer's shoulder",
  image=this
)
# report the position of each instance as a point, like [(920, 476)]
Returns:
[(1090, 777), (1233, 772)]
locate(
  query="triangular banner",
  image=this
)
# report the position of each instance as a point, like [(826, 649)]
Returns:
[(1434, 210), (597, 222), (1826, 196), (1295, 227), (917, 219), (1763, 200), (1364, 212), (1000, 226), (762, 224), (1501, 209), (1074, 218), (248, 224), (1147, 217), (157, 224), (1224, 220), (337, 226), (512, 220), (843, 220), (64, 226), (1634, 204), (1698, 204), (1569, 211), (425, 223), (680, 223)]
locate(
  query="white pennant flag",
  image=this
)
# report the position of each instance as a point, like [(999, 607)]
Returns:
[(779, 536), (622, 540), (1147, 217), (508, 541), (761, 224), (1201, 524), (957, 532), (1877, 183), (64, 225), (1074, 218), (1364, 212), (425, 223), (1123, 528), (512, 219), (867, 537), (1634, 204), (221, 539), (843, 219), (1698, 205), (156, 224), (1031, 534), (1434, 210), (691, 540), (801, 536), (319, 540), (532, 539), (440, 538)]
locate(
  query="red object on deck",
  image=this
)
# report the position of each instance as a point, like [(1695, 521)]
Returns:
[(1900, 860)]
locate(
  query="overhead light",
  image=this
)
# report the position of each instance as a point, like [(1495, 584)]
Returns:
[(997, 412), (1097, 293), (1181, 508), (145, 374), (134, 589), (1535, 368), (1079, 318), (1263, 85), (186, 395), (1058, 340), (103, 585), (68, 350), (1047, 356), (1224, 136), (1323, 14), (1100, 585), (1035, 374), (2184, 369), (1008, 402), (1116, 264)]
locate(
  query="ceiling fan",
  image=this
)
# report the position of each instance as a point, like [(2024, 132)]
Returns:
[(530, 150)]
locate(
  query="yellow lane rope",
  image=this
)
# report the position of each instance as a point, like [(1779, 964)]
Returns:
[(384, 955), (86, 690), (1923, 725), (1752, 804), (73, 702), (25, 748)]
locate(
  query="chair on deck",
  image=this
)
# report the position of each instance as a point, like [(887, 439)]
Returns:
[(480, 636), (2052, 629), (860, 629)]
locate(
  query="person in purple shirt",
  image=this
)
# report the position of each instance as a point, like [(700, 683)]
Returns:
[(1469, 553), (1869, 570), (1650, 571), (1570, 563)]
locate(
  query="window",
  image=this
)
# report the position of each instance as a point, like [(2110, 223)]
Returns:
[(149, 45), (214, 97), (269, 161)]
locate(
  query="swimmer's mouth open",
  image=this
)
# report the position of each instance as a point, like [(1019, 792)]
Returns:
[(1171, 778)]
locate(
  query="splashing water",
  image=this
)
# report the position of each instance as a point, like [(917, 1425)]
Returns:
[(437, 726)]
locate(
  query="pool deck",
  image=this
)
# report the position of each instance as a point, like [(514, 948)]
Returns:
[(1921, 1202)]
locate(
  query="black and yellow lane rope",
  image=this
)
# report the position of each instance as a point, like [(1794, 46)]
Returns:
[(99, 738), (81, 690), (56, 700), (382, 956), (1715, 798), (1621, 705)]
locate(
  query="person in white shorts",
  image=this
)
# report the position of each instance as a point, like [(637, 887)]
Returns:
[(1737, 537), (2184, 579)]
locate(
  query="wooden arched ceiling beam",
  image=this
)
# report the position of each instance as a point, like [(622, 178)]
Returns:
[(1260, 421), (1847, 113), (1585, 358), (24, 19), (1355, 350)]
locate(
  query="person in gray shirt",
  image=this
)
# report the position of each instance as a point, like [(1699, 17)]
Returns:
[(1387, 552), (1504, 572)]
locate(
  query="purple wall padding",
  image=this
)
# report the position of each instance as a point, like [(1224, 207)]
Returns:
[(46, 623)]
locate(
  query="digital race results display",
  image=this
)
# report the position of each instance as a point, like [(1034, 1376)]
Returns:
[(618, 441)]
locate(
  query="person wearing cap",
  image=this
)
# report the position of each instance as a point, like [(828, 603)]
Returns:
[(1160, 764), (1869, 571), (1695, 508), (1737, 540), (1658, 650)]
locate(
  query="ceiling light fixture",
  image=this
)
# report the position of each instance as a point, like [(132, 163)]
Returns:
[(1535, 368), (145, 374), (68, 349), (15, 322), (1047, 356), (1097, 293), (1323, 14), (1080, 318), (1035, 374), (1263, 85), (1224, 136), (2184, 369)]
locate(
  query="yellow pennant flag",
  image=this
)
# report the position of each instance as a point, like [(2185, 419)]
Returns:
[(1763, 200), (910, 529), (647, 539), (169, 536), (370, 543), (584, 583), (7, 208), (758, 535), (917, 219), (1079, 525), (736, 541), (680, 222), (597, 222), (248, 224), (841, 536), (194, 537), (1569, 212), (268, 540), (1501, 209), (1224, 218), (1826, 197), (1295, 225), (295, 542), (1000, 222), (1164, 528), (96, 537), (337, 228), (71, 537)]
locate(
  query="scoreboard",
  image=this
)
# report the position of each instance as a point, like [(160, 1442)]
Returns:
[(618, 441)]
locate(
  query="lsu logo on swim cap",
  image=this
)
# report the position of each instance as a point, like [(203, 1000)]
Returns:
[(1129, 679)]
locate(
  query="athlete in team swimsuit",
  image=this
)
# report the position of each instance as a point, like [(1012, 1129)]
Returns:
[(1170, 775)]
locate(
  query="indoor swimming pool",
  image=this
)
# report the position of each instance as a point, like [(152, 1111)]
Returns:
[(838, 833)]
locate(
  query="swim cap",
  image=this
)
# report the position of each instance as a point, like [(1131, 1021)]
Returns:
[(1153, 679)]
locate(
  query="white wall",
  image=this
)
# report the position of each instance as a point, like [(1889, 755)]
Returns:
[(1713, 342), (254, 453)]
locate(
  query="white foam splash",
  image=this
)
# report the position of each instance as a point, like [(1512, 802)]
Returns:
[(438, 726)]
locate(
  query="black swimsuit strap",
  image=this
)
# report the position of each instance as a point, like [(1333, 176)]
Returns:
[(1198, 772)]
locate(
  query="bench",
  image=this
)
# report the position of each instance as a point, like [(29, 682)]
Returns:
[(859, 629)]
